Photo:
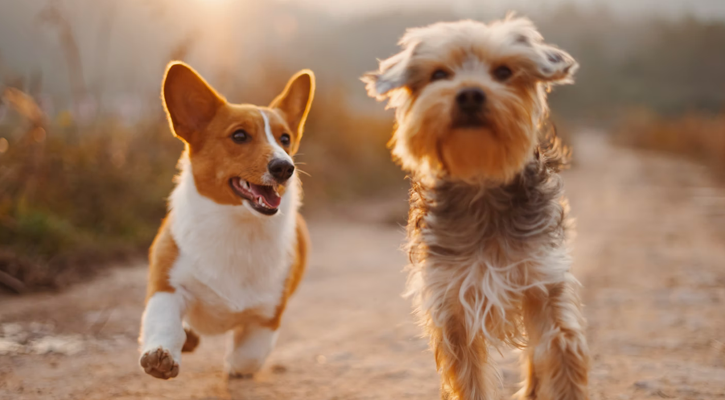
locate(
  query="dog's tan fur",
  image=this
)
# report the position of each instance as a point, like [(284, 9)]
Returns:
[(487, 227), (162, 254)]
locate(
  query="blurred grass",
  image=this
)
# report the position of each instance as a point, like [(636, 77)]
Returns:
[(344, 151), (696, 135), (74, 198)]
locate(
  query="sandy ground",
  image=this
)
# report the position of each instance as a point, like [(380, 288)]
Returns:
[(650, 253)]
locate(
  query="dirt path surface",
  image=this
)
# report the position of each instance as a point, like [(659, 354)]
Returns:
[(650, 252)]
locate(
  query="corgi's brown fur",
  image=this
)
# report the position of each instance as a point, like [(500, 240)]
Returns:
[(162, 255)]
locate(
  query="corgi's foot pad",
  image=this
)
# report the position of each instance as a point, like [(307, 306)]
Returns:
[(159, 363)]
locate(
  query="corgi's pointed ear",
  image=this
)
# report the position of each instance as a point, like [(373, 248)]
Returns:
[(190, 102), (295, 101)]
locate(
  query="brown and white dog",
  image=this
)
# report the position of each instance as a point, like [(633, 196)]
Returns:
[(487, 224), (233, 247)]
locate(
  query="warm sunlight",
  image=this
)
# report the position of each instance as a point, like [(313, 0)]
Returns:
[(285, 190)]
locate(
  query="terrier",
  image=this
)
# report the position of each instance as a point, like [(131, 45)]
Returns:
[(487, 229)]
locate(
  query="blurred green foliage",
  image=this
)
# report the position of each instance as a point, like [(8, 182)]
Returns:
[(69, 197)]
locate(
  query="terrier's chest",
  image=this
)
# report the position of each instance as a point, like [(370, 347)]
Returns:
[(499, 227)]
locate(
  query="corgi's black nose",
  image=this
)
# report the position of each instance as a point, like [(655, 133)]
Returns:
[(281, 169), (470, 100)]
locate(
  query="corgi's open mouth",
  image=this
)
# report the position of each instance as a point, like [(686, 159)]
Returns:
[(264, 199)]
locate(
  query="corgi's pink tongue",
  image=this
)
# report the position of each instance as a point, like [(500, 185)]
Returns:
[(267, 194)]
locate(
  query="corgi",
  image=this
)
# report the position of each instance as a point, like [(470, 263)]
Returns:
[(233, 247)]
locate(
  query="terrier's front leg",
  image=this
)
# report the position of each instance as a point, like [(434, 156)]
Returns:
[(162, 335), (557, 357)]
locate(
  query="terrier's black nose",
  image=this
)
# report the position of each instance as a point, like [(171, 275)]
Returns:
[(471, 100), (281, 169)]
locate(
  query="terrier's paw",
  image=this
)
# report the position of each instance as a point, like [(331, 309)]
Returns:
[(159, 363)]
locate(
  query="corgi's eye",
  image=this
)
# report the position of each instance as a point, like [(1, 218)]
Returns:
[(285, 139), (240, 136), (439, 74), (502, 73)]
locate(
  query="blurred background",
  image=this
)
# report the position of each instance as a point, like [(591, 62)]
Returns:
[(86, 156)]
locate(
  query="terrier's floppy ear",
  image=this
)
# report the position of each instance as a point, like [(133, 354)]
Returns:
[(543, 61), (393, 74), (295, 101), (554, 65), (189, 101)]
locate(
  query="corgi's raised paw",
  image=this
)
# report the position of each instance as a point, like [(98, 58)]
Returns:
[(159, 363)]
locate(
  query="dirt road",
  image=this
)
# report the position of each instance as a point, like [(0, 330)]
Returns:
[(650, 253)]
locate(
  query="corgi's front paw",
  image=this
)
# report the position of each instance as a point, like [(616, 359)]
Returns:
[(159, 363), (236, 375), (243, 368)]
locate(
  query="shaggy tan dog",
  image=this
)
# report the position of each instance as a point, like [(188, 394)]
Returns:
[(487, 228)]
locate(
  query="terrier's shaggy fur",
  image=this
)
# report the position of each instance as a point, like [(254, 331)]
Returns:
[(488, 221)]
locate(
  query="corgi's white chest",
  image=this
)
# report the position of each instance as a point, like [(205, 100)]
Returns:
[(231, 259), (237, 272)]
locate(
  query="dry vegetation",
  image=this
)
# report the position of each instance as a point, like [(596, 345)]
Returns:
[(70, 197), (698, 136)]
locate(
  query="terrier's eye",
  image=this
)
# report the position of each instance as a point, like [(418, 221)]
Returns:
[(240, 136), (285, 139), (502, 73), (439, 74)]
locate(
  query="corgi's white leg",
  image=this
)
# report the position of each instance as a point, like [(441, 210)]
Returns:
[(250, 347), (162, 335)]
